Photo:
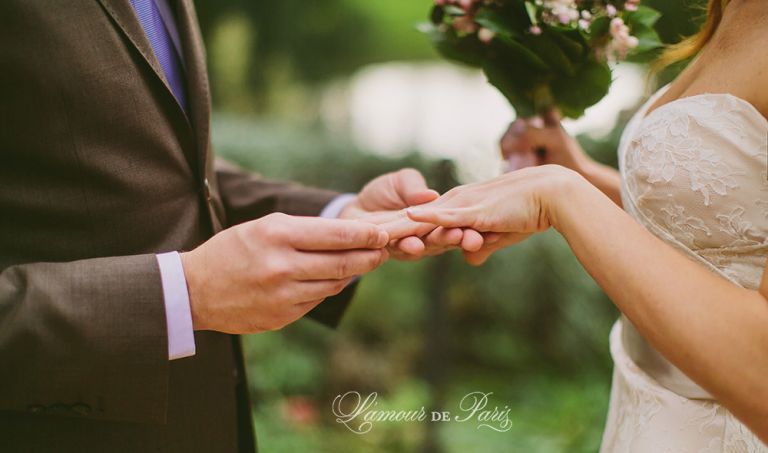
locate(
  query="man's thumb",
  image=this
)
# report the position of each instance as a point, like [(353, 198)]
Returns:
[(412, 188)]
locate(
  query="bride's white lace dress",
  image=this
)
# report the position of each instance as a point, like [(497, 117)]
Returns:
[(695, 173)]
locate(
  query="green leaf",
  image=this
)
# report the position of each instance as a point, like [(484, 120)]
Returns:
[(453, 10), (494, 21), (466, 50), (599, 27), (644, 16), (437, 15), (509, 49), (649, 42), (501, 77), (575, 94), (531, 10), (546, 48), (571, 41)]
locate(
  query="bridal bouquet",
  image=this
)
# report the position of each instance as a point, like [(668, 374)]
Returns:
[(544, 53)]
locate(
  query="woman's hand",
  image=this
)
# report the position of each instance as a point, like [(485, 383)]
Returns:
[(384, 198), (543, 141), (436, 239), (506, 210)]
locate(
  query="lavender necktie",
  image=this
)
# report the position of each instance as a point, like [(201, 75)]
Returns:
[(165, 52)]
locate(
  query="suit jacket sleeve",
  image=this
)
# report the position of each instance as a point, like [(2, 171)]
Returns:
[(85, 338), (246, 197)]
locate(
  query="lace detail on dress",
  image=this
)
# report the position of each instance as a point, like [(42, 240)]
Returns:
[(672, 148), (682, 225), (695, 168), (742, 231)]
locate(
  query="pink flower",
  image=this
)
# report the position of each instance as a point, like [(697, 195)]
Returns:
[(535, 30), (622, 42), (485, 35), (559, 11), (611, 10), (465, 24)]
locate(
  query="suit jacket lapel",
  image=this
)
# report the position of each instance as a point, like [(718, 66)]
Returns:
[(198, 92), (198, 98), (125, 18)]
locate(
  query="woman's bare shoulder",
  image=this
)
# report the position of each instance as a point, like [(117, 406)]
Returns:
[(754, 66), (758, 81), (739, 60)]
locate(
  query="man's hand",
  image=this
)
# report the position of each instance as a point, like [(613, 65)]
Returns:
[(267, 273), (383, 198)]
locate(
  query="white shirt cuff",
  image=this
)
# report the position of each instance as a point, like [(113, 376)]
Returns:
[(178, 314), (333, 209)]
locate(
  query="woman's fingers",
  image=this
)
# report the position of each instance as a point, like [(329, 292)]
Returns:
[(445, 217), (518, 161), (405, 227), (552, 117), (511, 139), (522, 142)]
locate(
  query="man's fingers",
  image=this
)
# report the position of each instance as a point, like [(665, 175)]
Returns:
[(311, 304), (472, 241), (337, 265), (402, 227), (310, 293), (417, 198), (479, 257), (444, 237), (493, 243), (492, 238), (308, 233), (412, 188), (411, 245)]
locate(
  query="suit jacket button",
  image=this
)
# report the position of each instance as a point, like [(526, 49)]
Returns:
[(80, 409), (36, 408), (207, 189)]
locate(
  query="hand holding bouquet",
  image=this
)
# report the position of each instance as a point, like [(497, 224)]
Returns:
[(544, 53)]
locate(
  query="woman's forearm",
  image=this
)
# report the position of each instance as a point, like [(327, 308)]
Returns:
[(714, 331)]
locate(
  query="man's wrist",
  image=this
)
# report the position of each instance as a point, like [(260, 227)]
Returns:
[(190, 274)]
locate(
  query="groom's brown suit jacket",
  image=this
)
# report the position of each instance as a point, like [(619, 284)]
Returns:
[(100, 169)]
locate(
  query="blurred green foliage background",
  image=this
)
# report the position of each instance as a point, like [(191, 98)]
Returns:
[(529, 326)]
